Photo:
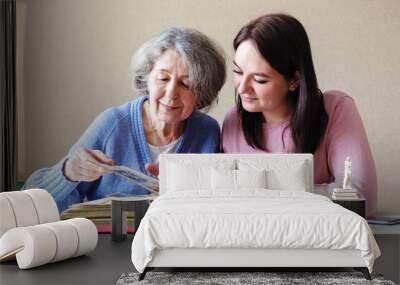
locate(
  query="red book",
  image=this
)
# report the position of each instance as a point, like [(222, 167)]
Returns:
[(107, 229)]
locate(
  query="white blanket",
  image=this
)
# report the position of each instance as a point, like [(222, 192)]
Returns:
[(252, 218)]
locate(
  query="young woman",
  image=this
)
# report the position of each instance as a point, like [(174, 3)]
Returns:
[(281, 109)]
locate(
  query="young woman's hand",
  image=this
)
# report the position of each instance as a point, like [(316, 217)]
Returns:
[(84, 165), (152, 169)]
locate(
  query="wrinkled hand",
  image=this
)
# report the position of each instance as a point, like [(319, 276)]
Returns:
[(152, 169), (82, 165)]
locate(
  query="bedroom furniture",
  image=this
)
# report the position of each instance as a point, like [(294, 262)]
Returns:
[(388, 239), (26, 208), (251, 258), (31, 233), (119, 216), (110, 259), (357, 206), (189, 175), (104, 265), (46, 243)]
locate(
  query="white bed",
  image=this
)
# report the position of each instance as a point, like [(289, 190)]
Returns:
[(220, 211)]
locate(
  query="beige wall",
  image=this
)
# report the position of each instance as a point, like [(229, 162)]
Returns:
[(73, 61)]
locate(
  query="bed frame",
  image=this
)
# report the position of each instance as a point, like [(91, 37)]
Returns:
[(246, 259)]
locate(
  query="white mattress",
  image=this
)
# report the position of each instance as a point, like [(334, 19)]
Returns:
[(252, 218)]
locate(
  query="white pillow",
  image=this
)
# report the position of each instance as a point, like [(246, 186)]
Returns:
[(223, 179), (251, 178), (293, 179), (290, 175), (187, 176), (226, 179)]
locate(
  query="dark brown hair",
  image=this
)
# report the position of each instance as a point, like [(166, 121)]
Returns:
[(283, 42)]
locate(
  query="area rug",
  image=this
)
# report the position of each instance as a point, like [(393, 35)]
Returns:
[(269, 278)]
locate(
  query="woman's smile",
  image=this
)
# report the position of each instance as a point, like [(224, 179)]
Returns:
[(169, 108), (248, 99)]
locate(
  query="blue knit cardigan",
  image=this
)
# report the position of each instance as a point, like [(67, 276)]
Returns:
[(118, 132)]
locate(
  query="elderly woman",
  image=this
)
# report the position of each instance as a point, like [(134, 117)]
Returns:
[(176, 73)]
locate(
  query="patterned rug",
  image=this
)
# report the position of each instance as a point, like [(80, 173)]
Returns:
[(269, 278)]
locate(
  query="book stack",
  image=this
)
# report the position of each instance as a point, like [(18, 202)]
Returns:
[(345, 194), (99, 212), (382, 220)]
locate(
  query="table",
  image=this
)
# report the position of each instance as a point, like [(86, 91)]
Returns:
[(119, 215), (102, 266)]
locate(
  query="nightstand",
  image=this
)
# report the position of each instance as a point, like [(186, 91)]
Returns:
[(357, 206)]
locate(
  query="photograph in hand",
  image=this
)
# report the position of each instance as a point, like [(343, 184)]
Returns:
[(145, 181)]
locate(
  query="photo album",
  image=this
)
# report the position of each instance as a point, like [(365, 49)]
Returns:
[(145, 181)]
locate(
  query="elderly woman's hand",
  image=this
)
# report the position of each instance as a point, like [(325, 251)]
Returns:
[(83, 165)]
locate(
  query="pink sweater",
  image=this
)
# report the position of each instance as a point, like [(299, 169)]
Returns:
[(345, 136)]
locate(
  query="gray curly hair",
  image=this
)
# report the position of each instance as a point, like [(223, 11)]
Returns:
[(204, 59)]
